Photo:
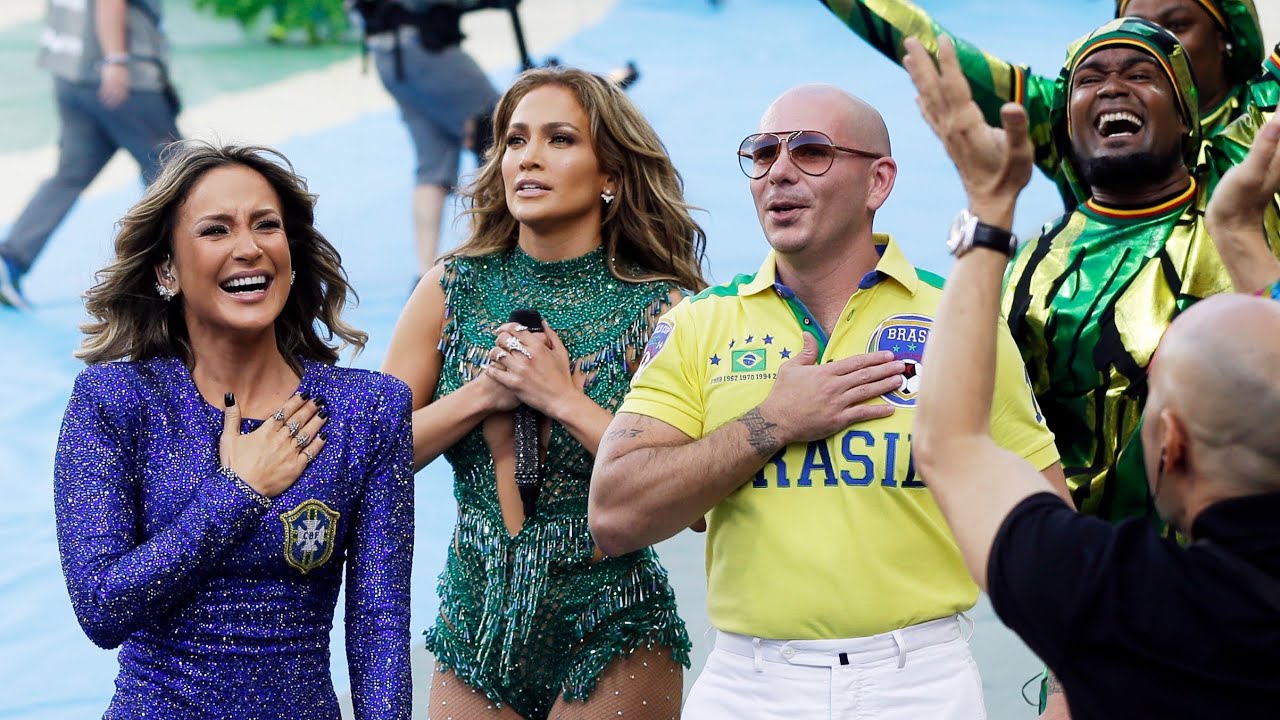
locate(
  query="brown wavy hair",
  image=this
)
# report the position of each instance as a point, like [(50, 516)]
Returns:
[(647, 229), (131, 320)]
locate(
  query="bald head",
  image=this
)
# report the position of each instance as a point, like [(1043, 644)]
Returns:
[(1218, 370), (848, 119)]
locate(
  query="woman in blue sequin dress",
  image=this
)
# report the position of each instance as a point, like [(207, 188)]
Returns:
[(216, 471), (579, 214)]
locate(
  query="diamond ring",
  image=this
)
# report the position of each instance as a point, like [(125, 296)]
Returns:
[(513, 343), (293, 428), (310, 457), (278, 415), (302, 440)]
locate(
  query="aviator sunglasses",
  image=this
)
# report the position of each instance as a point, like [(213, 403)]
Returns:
[(811, 151)]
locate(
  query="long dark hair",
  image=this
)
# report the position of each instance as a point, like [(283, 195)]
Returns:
[(132, 322)]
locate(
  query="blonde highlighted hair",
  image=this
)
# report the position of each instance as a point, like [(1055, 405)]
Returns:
[(132, 322), (647, 229)]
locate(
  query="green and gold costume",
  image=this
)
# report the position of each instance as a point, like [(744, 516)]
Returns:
[(1090, 298), (884, 24), (528, 617)]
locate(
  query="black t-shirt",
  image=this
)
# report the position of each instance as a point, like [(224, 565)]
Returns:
[(1136, 626)]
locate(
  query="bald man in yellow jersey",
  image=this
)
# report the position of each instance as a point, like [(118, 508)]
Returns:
[(779, 406)]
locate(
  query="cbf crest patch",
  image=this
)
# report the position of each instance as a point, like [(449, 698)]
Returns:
[(661, 334), (905, 337), (309, 532)]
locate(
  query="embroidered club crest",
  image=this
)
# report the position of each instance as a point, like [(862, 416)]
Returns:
[(659, 338), (904, 336), (309, 532)]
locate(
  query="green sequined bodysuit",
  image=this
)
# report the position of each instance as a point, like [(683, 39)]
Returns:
[(528, 618)]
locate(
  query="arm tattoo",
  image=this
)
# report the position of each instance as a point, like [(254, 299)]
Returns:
[(759, 434), (1053, 686), (624, 432)]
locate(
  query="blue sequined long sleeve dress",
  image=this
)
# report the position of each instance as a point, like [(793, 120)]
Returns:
[(222, 607)]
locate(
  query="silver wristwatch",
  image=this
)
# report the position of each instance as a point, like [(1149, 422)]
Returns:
[(967, 233)]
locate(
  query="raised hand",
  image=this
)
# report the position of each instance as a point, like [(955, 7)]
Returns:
[(994, 164), (811, 401), (272, 457), (1237, 210)]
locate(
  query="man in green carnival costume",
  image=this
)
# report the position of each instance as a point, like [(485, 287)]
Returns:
[(1089, 299), (1222, 39)]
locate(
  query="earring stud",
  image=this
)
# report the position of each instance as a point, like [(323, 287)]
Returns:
[(607, 196), (166, 292)]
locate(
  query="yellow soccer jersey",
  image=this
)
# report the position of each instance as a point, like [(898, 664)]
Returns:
[(836, 538)]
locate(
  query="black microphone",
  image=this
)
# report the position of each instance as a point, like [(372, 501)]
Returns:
[(528, 457)]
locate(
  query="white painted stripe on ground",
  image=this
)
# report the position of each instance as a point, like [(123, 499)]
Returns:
[(17, 12), (308, 102)]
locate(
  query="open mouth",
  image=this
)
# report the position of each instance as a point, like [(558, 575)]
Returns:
[(1118, 124), (247, 284), (530, 186), (783, 207)]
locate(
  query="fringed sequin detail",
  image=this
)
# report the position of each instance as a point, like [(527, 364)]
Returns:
[(528, 617)]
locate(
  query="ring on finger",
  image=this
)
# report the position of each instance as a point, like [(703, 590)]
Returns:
[(293, 428), (278, 415), (502, 355), (303, 439), (310, 457), (513, 343)]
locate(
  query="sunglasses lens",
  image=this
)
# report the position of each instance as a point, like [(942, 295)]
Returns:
[(756, 155), (811, 152)]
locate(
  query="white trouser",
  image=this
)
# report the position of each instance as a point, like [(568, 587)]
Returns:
[(922, 671)]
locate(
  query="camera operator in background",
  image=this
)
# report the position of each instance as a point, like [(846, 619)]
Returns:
[(443, 95)]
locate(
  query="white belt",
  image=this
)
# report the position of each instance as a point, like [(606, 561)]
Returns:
[(852, 651)]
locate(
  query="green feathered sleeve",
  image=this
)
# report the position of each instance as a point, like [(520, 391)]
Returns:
[(884, 24)]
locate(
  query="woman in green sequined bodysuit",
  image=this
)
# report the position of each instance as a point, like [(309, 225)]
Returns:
[(578, 213)]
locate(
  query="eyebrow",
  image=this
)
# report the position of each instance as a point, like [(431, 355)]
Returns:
[(227, 217), (1097, 65), (546, 127)]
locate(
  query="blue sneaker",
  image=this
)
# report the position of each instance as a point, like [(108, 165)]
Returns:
[(10, 294)]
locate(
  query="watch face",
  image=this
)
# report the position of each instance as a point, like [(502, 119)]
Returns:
[(961, 235)]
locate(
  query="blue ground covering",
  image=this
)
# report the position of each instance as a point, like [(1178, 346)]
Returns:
[(706, 76)]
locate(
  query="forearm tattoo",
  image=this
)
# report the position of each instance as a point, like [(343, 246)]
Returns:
[(759, 433), (1053, 686)]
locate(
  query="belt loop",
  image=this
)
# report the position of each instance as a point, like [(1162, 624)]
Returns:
[(902, 648), (759, 654), (966, 622)]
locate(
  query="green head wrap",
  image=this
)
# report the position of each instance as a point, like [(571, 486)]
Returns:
[(1141, 35), (1238, 20)]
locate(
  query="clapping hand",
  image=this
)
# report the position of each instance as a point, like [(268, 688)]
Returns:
[(994, 163)]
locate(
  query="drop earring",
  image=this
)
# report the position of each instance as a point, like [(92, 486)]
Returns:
[(166, 292), (293, 277), (607, 196)]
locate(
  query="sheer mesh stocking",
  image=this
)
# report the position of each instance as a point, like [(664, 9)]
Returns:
[(453, 699), (646, 685)]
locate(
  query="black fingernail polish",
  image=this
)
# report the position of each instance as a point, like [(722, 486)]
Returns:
[(323, 435), (324, 414), (229, 399), (321, 401), (305, 395)]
